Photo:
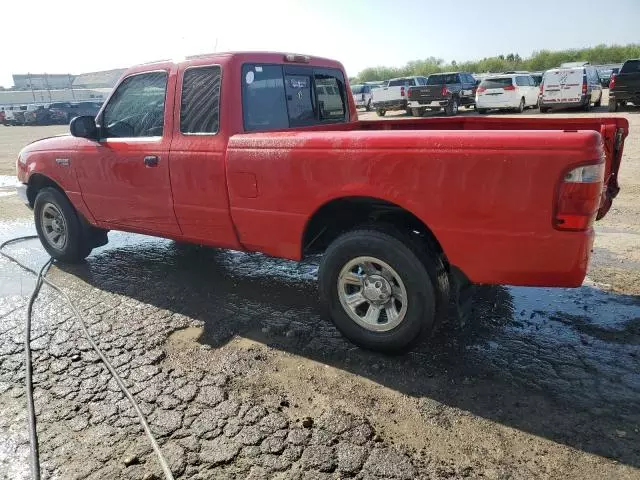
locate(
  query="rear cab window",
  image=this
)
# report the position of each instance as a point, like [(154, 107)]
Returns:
[(276, 97), (402, 82), (442, 79)]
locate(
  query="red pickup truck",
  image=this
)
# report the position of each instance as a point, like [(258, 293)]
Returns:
[(264, 152)]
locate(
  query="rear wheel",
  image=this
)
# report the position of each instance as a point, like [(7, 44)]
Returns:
[(417, 112), (544, 109), (599, 102), (381, 112), (452, 107), (59, 227), (377, 289), (482, 111), (520, 108), (368, 107), (587, 106), (613, 106)]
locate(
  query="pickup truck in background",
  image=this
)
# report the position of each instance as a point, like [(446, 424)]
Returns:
[(393, 96), (446, 91), (407, 214), (625, 86)]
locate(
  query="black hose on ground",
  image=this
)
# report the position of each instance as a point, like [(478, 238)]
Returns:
[(33, 436)]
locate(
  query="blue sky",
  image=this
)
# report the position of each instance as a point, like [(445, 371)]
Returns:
[(78, 36)]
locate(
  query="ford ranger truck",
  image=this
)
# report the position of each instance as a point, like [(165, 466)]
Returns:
[(241, 151)]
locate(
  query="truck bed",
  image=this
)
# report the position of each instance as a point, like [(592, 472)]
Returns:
[(486, 193)]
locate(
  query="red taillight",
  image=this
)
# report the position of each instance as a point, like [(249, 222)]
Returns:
[(584, 88), (509, 87), (445, 91), (579, 196), (402, 91), (612, 82), (481, 89)]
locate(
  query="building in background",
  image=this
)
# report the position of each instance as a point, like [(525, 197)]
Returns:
[(43, 88)]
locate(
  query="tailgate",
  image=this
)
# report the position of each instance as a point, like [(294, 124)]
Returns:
[(627, 84), (426, 94), (385, 94)]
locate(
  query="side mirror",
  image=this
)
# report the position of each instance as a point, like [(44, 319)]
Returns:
[(84, 127)]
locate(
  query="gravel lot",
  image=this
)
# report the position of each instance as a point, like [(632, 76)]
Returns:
[(241, 378)]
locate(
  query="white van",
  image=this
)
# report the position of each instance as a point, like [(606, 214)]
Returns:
[(570, 86), (507, 92)]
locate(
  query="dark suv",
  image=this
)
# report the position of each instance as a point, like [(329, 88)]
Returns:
[(446, 91)]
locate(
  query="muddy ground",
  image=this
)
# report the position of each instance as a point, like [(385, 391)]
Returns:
[(241, 377)]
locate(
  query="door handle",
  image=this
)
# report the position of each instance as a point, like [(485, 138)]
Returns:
[(151, 161)]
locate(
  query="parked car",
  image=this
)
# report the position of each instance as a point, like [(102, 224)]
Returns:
[(86, 108), (393, 96), (446, 91), (571, 86), (2, 115), (9, 115), (19, 114), (37, 115), (507, 92), (625, 86), (362, 96), (63, 112), (406, 214)]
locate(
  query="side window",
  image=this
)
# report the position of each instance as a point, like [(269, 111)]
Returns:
[(264, 100), (200, 102), (136, 109), (276, 97)]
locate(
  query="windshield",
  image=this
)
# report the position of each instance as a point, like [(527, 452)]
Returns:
[(355, 89), (442, 79), (631, 66), (496, 82)]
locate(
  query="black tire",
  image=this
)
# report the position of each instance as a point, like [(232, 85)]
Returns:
[(77, 246), (587, 106), (368, 107), (417, 112), (413, 268), (520, 108), (482, 111), (544, 109), (408, 111), (381, 112), (613, 106), (599, 102), (452, 107)]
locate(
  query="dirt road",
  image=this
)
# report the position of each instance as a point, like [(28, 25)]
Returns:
[(241, 377)]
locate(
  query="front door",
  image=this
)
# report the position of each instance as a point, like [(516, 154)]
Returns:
[(124, 177)]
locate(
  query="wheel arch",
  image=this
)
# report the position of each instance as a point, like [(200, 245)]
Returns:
[(344, 213), (38, 181)]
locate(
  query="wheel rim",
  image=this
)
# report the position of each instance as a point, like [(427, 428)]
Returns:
[(372, 294), (54, 226)]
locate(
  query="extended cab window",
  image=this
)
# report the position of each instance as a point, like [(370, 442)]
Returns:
[(136, 109), (276, 97), (200, 102)]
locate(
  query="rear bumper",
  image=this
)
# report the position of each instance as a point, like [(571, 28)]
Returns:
[(546, 103), (497, 104), (428, 104), (391, 105), (558, 259)]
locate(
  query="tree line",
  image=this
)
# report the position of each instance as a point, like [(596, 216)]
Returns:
[(540, 60)]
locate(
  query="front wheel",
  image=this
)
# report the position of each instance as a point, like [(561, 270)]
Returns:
[(377, 290), (59, 227), (381, 112)]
